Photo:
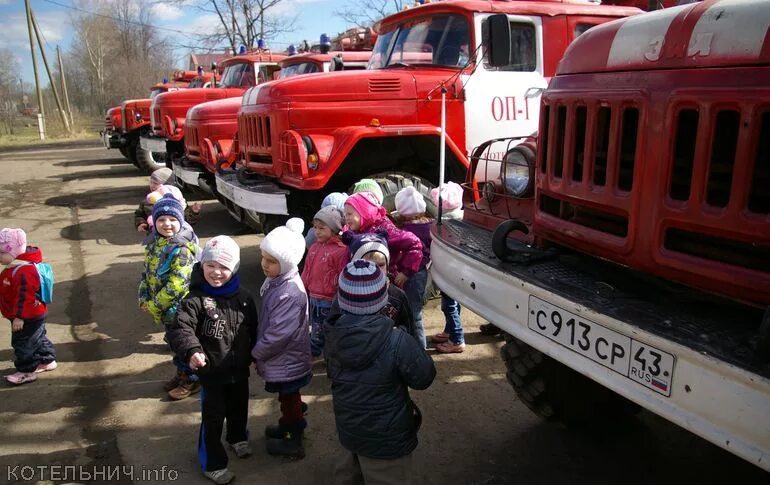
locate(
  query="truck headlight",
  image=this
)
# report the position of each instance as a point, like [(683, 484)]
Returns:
[(517, 171)]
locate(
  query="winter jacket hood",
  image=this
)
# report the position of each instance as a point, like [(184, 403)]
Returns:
[(355, 340), (19, 284)]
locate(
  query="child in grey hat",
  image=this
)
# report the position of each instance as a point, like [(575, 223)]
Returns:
[(325, 261)]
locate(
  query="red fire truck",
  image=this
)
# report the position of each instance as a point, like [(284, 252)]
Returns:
[(303, 137), (210, 127), (165, 142), (626, 254), (125, 123)]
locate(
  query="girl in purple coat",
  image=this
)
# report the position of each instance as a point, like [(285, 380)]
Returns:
[(364, 214), (282, 351)]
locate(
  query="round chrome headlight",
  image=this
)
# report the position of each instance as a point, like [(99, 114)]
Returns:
[(517, 171)]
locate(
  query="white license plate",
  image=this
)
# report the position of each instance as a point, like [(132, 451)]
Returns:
[(638, 361), (187, 176), (153, 145)]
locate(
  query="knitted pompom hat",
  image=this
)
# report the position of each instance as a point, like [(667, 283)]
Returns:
[(369, 185), (332, 217), (286, 244), (168, 205), (370, 242), (13, 241), (451, 196), (409, 202), (335, 199), (224, 250), (161, 175), (157, 194), (362, 288), (365, 204)]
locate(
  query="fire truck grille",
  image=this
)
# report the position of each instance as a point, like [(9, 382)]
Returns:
[(191, 141), (385, 85), (155, 118), (257, 132)]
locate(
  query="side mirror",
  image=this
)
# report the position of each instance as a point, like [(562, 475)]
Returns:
[(214, 66), (499, 41), (337, 64)]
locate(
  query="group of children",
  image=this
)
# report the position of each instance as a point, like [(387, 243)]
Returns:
[(357, 302)]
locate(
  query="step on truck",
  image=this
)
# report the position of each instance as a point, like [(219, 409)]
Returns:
[(210, 127), (164, 143), (625, 251), (303, 137)]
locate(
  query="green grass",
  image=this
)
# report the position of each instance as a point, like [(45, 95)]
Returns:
[(28, 135)]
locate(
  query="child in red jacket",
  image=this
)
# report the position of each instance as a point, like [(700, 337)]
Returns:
[(19, 303), (325, 261)]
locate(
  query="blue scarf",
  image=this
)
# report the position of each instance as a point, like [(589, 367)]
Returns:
[(228, 289)]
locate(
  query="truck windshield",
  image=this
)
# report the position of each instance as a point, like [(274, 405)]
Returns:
[(443, 40), (155, 92), (299, 68), (239, 75)]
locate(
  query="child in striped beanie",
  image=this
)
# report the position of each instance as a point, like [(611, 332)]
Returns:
[(372, 366)]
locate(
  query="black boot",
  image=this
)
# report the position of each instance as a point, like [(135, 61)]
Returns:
[(288, 445)]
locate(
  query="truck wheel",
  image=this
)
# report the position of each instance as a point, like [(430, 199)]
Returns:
[(128, 153), (555, 392), (764, 336), (392, 182), (149, 161)]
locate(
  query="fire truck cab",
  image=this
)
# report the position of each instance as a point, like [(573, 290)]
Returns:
[(302, 137), (625, 253), (165, 142)]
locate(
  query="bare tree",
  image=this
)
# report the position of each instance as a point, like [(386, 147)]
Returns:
[(9, 92), (364, 13), (242, 21)]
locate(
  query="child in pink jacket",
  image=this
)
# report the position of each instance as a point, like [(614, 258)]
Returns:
[(364, 214), (325, 260)]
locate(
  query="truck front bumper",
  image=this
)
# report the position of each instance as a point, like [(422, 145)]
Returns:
[(719, 389), (188, 173), (153, 144), (263, 197), (111, 139)]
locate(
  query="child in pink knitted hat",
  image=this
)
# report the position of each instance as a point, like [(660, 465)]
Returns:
[(363, 213), (20, 303)]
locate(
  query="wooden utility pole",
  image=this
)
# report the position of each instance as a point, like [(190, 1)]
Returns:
[(64, 86), (62, 114), (40, 109)]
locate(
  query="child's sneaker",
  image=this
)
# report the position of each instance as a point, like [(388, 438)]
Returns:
[(172, 383), (450, 347), (46, 367), (221, 477), (439, 338), (19, 378), (241, 449), (289, 445)]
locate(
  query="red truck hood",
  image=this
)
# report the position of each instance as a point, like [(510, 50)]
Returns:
[(190, 97), (342, 86), (215, 110), (137, 103)]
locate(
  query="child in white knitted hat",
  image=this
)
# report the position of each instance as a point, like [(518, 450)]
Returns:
[(282, 351), (214, 331)]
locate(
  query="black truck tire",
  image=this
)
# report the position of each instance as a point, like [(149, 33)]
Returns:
[(392, 182), (129, 154), (555, 392), (148, 161)]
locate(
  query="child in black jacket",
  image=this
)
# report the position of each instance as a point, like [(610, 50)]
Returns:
[(214, 331)]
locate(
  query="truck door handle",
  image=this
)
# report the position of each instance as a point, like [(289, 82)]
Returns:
[(533, 92)]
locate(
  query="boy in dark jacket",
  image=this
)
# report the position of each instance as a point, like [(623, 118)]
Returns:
[(372, 365), (214, 331)]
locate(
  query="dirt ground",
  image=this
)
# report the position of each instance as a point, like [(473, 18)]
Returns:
[(104, 406)]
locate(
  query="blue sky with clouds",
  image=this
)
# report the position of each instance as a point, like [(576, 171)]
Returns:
[(314, 17)]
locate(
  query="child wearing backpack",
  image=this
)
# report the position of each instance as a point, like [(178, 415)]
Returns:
[(169, 257), (22, 303)]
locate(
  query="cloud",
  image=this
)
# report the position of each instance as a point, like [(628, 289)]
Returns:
[(164, 12), (14, 35)]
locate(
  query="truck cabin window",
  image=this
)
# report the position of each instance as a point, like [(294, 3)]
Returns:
[(523, 48), (581, 29), (299, 68), (443, 40), (238, 75)]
